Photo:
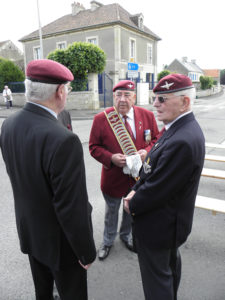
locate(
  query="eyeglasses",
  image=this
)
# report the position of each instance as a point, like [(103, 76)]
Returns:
[(68, 88), (162, 99)]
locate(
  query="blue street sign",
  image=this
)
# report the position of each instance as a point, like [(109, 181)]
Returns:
[(132, 66)]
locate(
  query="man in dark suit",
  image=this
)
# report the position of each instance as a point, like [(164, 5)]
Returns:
[(162, 202), (65, 118), (117, 133), (45, 164)]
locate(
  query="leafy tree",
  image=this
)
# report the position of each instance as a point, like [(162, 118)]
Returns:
[(222, 76), (81, 58), (206, 82), (163, 74), (9, 72)]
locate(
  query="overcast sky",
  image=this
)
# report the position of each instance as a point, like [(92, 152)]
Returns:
[(193, 28)]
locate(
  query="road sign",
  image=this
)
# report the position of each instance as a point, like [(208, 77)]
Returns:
[(132, 74), (132, 67)]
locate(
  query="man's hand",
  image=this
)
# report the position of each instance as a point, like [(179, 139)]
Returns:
[(142, 153), (86, 266), (126, 201), (119, 160)]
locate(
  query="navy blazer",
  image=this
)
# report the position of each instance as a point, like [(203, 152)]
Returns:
[(45, 164), (163, 205)]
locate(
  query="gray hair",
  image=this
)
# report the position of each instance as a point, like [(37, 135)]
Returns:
[(191, 93), (38, 91)]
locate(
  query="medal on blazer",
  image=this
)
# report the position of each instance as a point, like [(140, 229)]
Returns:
[(146, 166), (147, 136)]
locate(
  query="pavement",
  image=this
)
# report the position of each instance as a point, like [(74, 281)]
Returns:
[(76, 114)]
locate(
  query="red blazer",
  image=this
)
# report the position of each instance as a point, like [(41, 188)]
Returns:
[(103, 144)]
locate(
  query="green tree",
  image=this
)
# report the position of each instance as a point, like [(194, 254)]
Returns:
[(222, 76), (81, 58), (9, 72), (163, 74), (206, 82)]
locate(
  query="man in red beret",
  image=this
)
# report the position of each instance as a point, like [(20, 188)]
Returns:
[(162, 202), (120, 133), (44, 161)]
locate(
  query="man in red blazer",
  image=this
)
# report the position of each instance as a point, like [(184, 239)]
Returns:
[(105, 147)]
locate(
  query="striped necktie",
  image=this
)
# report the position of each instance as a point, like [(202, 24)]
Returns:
[(127, 125)]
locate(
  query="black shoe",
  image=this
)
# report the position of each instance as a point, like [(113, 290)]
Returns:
[(129, 244), (103, 251)]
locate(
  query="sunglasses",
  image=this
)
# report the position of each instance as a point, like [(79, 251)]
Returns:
[(162, 99)]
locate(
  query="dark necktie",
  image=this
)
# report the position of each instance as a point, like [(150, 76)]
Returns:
[(127, 125)]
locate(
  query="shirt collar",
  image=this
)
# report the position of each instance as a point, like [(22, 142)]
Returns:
[(46, 108), (167, 126), (130, 114)]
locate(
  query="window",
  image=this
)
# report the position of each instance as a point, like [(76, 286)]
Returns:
[(92, 40), (37, 52), (132, 50), (61, 45), (149, 54)]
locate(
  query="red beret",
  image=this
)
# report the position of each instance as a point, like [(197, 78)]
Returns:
[(173, 83), (48, 71), (124, 85)]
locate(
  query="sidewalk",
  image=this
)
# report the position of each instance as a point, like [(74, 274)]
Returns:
[(75, 113)]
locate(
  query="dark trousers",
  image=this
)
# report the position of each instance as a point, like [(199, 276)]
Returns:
[(71, 282), (160, 272)]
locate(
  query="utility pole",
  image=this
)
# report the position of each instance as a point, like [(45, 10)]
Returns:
[(40, 32)]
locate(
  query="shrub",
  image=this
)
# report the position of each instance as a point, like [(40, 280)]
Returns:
[(206, 82), (9, 72), (163, 74), (81, 58)]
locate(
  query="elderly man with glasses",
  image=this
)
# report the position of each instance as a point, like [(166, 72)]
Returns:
[(120, 136), (44, 161), (162, 201)]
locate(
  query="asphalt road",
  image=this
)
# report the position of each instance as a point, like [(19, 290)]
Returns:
[(118, 277)]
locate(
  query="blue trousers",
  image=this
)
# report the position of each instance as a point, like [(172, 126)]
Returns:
[(112, 206)]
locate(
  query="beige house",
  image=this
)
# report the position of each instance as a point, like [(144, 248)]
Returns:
[(123, 37)]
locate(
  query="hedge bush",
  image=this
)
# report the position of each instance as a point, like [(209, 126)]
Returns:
[(9, 72), (81, 58)]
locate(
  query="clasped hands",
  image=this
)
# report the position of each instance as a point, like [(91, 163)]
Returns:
[(119, 159)]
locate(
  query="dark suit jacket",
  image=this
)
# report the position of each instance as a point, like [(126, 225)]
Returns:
[(163, 204), (65, 118), (103, 144), (45, 164)]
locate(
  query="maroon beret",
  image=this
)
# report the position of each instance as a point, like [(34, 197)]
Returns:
[(124, 85), (48, 71), (173, 83)]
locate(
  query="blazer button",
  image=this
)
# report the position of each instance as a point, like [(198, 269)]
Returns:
[(133, 214)]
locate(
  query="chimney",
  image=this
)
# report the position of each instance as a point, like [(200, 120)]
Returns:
[(184, 59), (193, 61), (76, 8), (95, 5)]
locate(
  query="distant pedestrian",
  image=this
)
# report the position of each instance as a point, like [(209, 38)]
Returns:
[(7, 96)]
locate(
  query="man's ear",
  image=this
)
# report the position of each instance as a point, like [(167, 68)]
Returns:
[(60, 90), (186, 103)]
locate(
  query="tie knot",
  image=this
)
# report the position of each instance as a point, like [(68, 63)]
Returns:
[(125, 117)]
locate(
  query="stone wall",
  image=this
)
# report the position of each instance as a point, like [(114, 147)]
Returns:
[(76, 100)]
